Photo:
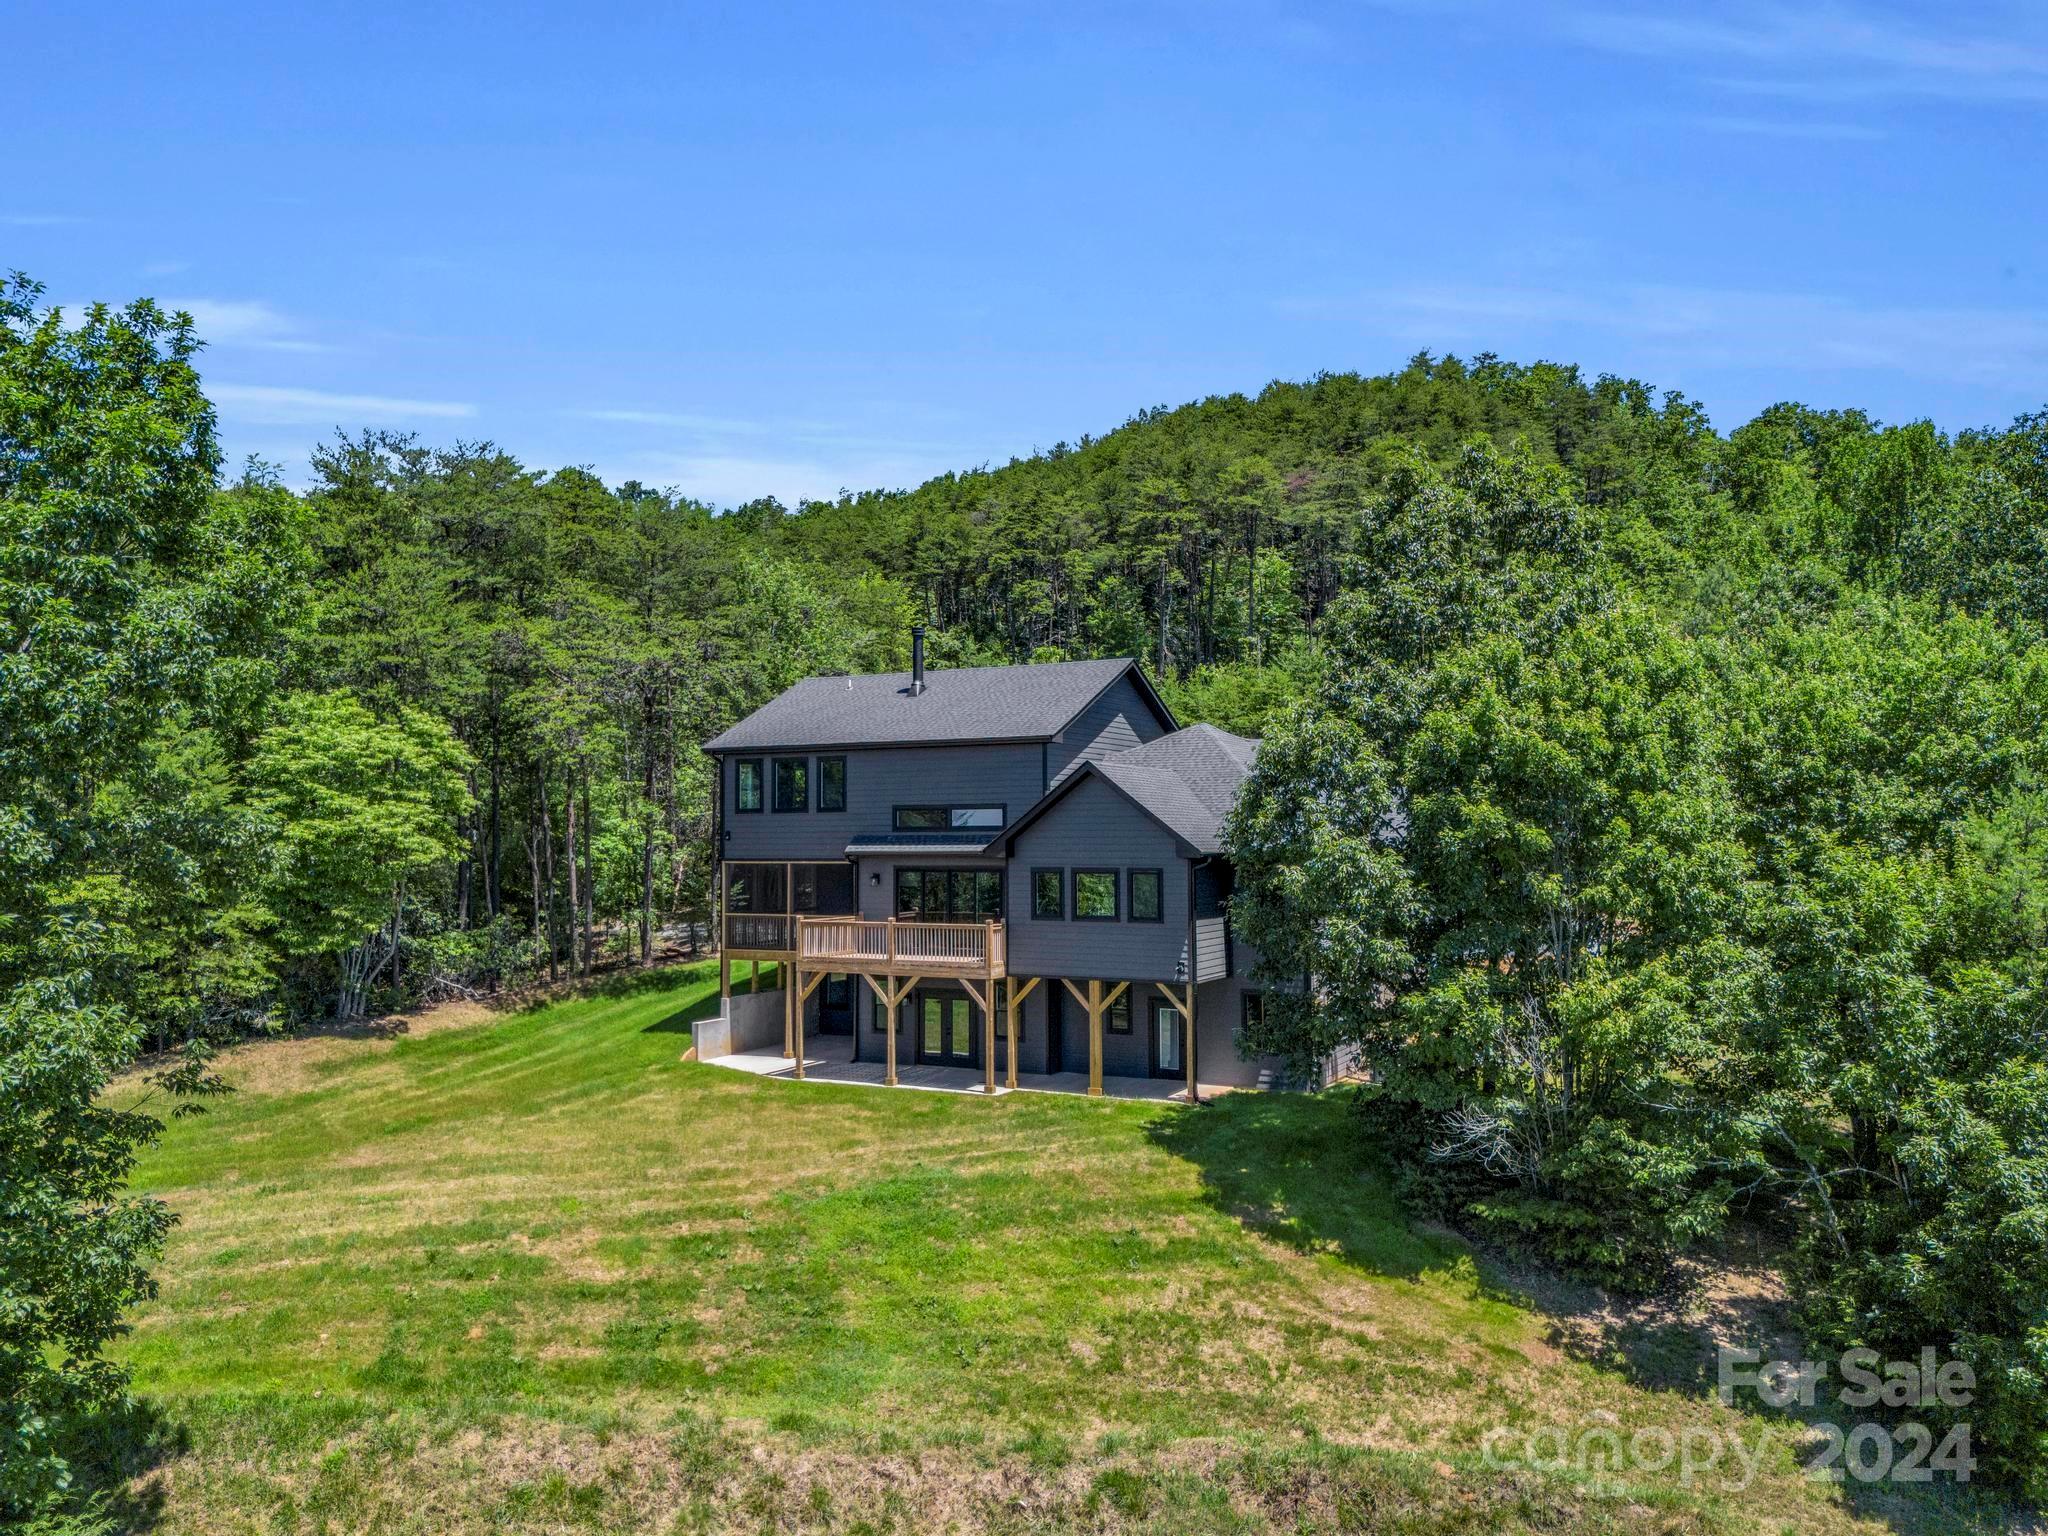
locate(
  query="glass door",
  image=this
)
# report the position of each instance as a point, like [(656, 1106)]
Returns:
[(945, 1029), (1167, 1042)]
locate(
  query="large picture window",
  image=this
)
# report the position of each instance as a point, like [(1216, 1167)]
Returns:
[(949, 895), (792, 784), (1147, 905), (1095, 895), (831, 783), (949, 818), (746, 794), (1049, 893)]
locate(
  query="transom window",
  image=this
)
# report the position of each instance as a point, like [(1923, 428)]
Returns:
[(747, 784), (949, 895), (949, 818), (792, 784)]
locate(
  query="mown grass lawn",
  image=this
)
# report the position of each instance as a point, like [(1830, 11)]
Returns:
[(531, 1271)]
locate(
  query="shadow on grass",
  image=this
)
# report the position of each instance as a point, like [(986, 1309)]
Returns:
[(681, 1021), (1298, 1169), (114, 1458)]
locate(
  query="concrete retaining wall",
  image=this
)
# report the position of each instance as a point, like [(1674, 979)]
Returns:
[(752, 1022)]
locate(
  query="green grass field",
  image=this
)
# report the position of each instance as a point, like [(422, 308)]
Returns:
[(530, 1271)]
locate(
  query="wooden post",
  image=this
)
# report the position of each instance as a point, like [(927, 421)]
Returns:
[(1095, 1039), (889, 1069), (796, 1009), (753, 977), (1015, 1002), (791, 1045), (891, 998), (724, 982)]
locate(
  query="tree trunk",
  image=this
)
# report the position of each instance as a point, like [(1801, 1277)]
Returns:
[(589, 880), (569, 858)]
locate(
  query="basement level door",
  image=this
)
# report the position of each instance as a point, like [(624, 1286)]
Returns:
[(945, 1029)]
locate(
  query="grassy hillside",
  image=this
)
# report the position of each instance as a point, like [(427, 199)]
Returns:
[(530, 1272)]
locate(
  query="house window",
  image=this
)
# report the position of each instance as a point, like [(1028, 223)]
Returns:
[(1146, 905), (949, 818), (792, 784), (804, 892), (747, 784), (1095, 895), (1254, 1013), (831, 783), (949, 895), (1049, 893), (1116, 1018)]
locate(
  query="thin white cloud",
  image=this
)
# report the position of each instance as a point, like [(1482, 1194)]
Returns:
[(682, 421), (1715, 327), (1777, 128), (273, 405), (247, 323), (1835, 52)]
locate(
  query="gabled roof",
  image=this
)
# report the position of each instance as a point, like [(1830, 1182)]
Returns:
[(958, 705), (1187, 782)]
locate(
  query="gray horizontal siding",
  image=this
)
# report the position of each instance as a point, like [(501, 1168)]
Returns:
[(1096, 828), (878, 779), (1212, 948), (1117, 721)]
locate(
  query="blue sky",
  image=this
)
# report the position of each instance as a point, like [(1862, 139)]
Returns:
[(757, 248)]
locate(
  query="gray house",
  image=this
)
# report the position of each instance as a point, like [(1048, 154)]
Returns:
[(1014, 869)]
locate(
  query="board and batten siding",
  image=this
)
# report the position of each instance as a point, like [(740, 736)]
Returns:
[(878, 779), (1117, 721), (1094, 827)]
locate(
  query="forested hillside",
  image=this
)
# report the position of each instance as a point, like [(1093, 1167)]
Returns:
[(1662, 808)]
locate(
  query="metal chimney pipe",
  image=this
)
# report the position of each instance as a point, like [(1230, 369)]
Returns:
[(916, 660)]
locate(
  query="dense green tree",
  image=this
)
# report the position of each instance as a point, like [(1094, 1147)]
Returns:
[(135, 619)]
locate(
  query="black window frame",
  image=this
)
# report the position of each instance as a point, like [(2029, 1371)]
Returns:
[(1246, 1001), (1122, 1006), (946, 813), (1158, 895), (739, 768), (1059, 881), (840, 759), (947, 877), (1116, 896), (775, 786)]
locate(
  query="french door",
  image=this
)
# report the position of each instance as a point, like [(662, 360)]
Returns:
[(945, 1029)]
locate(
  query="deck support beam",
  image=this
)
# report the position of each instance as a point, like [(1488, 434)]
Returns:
[(890, 996), (1097, 1002), (1014, 1001)]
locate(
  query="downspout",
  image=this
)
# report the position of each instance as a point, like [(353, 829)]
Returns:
[(1194, 961)]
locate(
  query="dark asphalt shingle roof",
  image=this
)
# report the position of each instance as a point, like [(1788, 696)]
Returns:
[(1189, 780), (959, 704)]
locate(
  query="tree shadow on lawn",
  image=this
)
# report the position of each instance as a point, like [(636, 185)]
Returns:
[(1299, 1169), (114, 1458)]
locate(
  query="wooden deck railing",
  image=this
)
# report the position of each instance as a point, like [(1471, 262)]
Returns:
[(857, 942), (853, 943)]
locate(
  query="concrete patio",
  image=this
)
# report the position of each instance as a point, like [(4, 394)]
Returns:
[(829, 1059)]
